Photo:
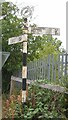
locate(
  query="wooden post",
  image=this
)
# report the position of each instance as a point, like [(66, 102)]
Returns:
[(11, 86)]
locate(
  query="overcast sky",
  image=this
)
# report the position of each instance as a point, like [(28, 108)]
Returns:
[(48, 13)]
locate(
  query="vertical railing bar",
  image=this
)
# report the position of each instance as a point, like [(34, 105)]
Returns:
[(62, 69), (44, 67), (34, 70), (59, 67), (52, 67), (66, 64), (49, 68)]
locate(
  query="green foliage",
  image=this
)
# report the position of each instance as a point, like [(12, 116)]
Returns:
[(10, 28), (63, 83), (6, 76), (40, 46), (41, 104)]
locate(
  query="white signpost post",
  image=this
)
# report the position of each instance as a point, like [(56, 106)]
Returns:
[(23, 38)]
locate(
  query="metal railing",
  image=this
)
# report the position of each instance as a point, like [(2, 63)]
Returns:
[(53, 68)]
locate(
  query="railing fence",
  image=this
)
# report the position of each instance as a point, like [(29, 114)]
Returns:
[(53, 68)]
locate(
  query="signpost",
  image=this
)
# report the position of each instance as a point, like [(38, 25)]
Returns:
[(18, 39), (45, 31), (26, 12), (35, 31)]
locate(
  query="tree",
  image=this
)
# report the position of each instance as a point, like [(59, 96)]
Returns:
[(40, 46), (11, 26)]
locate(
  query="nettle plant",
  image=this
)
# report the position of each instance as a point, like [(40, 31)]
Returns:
[(40, 104)]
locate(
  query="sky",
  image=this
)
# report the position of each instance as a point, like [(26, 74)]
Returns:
[(48, 13)]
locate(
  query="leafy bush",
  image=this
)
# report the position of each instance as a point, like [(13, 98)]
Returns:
[(40, 104)]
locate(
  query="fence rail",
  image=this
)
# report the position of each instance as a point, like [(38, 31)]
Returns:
[(16, 82)]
